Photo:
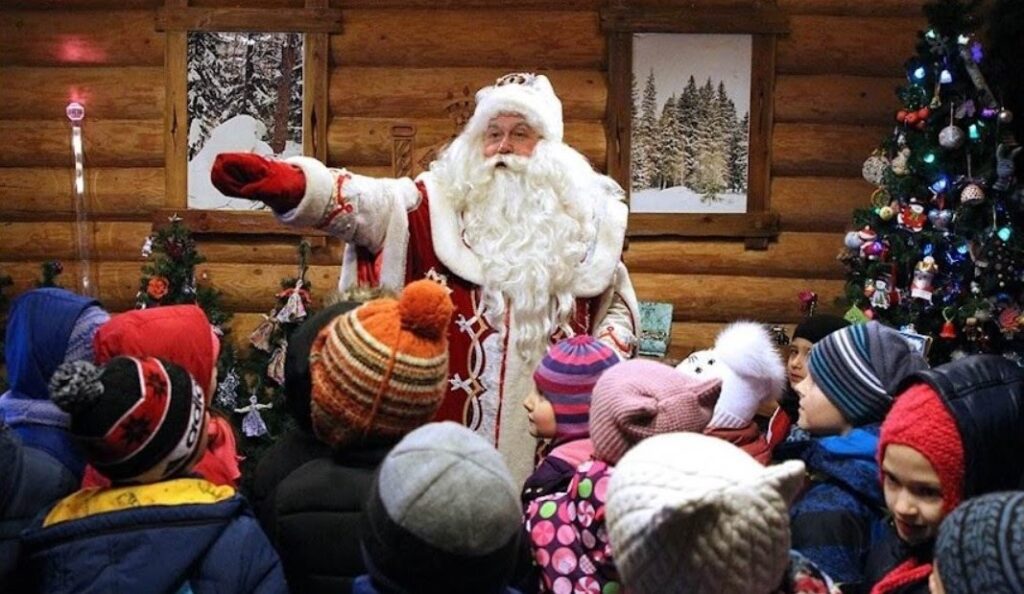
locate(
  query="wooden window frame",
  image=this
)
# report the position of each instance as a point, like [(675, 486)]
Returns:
[(317, 21), (758, 226)]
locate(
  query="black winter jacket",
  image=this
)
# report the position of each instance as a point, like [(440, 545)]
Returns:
[(314, 516)]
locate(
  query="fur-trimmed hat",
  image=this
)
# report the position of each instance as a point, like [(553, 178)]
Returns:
[(693, 513), (139, 420), (524, 93), (380, 370), (744, 358)]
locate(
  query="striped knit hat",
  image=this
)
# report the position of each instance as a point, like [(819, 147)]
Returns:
[(379, 371), (981, 546), (860, 367), (139, 420), (566, 377)]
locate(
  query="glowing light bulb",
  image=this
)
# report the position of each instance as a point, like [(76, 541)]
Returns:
[(973, 132), (929, 158), (945, 77), (919, 73), (75, 111), (1005, 233)]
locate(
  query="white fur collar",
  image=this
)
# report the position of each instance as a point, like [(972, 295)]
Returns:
[(594, 274)]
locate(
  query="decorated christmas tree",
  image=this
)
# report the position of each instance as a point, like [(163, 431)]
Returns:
[(939, 252)]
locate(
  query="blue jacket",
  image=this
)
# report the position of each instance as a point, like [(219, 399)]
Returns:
[(214, 546), (842, 513), (39, 331)]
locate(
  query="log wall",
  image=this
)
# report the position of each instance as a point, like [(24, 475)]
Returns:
[(403, 61)]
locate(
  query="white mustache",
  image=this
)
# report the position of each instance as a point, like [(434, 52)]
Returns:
[(515, 163)]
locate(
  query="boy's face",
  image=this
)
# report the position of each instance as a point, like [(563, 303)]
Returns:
[(818, 415), (796, 364), (541, 415), (913, 493)]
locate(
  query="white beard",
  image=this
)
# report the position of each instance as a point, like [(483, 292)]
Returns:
[(531, 223)]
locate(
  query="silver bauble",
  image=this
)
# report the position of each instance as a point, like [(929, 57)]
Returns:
[(951, 137)]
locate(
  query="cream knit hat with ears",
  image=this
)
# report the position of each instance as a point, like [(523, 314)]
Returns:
[(688, 513), (524, 93)]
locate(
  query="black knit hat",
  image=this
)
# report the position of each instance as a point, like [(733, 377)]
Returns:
[(297, 382), (139, 420), (818, 326)]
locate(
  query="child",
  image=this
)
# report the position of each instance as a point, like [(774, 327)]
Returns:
[(956, 432), (377, 372), (47, 327), (442, 515), (142, 423), (744, 358), (805, 336), (559, 410), (981, 547), (182, 335), (632, 401), (688, 513), (299, 445), (852, 374)]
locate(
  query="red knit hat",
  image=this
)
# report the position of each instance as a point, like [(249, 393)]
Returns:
[(920, 420)]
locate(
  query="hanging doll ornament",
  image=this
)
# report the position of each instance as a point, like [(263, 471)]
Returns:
[(924, 272), (878, 292), (912, 215), (226, 396), (1005, 167), (260, 337), (147, 247), (874, 168), (275, 368), (900, 165), (294, 309), (252, 423)]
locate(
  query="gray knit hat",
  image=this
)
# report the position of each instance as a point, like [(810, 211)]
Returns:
[(981, 546), (443, 516), (860, 367)]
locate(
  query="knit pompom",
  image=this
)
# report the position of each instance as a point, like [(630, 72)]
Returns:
[(76, 386), (426, 309)]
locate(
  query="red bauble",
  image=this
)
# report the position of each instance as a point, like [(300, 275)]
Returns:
[(923, 113), (911, 118), (901, 115)]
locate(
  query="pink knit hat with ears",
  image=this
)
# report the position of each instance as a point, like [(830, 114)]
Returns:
[(638, 398)]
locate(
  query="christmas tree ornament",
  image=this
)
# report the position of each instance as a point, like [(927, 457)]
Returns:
[(1005, 157), (875, 251), (945, 77), (1005, 116), (972, 194), (924, 113), (855, 240), (881, 290), (886, 213), (226, 389), (147, 247), (924, 273), (899, 163), (260, 337), (294, 309), (948, 331), (1009, 322), (901, 115), (951, 137), (808, 302), (912, 216), (275, 369), (874, 168), (940, 219), (253, 424)]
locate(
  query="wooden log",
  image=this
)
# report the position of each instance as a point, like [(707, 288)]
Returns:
[(447, 38), (24, 275), (833, 45), (232, 18), (46, 192), (69, 5), (823, 149), (124, 93), (831, 99), (426, 92), (794, 255), (875, 8), (822, 204), (37, 241), (719, 298), (367, 141), (108, 143), (87, 38)]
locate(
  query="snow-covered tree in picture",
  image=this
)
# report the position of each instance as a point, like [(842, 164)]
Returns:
[(690, 133), (244, 94)]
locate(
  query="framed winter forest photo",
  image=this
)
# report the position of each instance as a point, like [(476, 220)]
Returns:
[(240, 80), (689, 119)]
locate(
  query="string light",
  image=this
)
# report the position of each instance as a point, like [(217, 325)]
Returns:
[(919, 73), (1005, 234), (929, 158)]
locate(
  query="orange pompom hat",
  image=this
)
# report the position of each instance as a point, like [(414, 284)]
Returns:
[(380, 370)]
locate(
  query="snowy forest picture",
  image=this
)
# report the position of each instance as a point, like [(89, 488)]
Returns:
[(244, 95), (690, 123)]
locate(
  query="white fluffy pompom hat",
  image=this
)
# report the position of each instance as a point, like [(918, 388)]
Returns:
[(527, 94), (689, 513), (751, 370)]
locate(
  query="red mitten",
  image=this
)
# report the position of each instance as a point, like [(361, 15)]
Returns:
[(277, 184)]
